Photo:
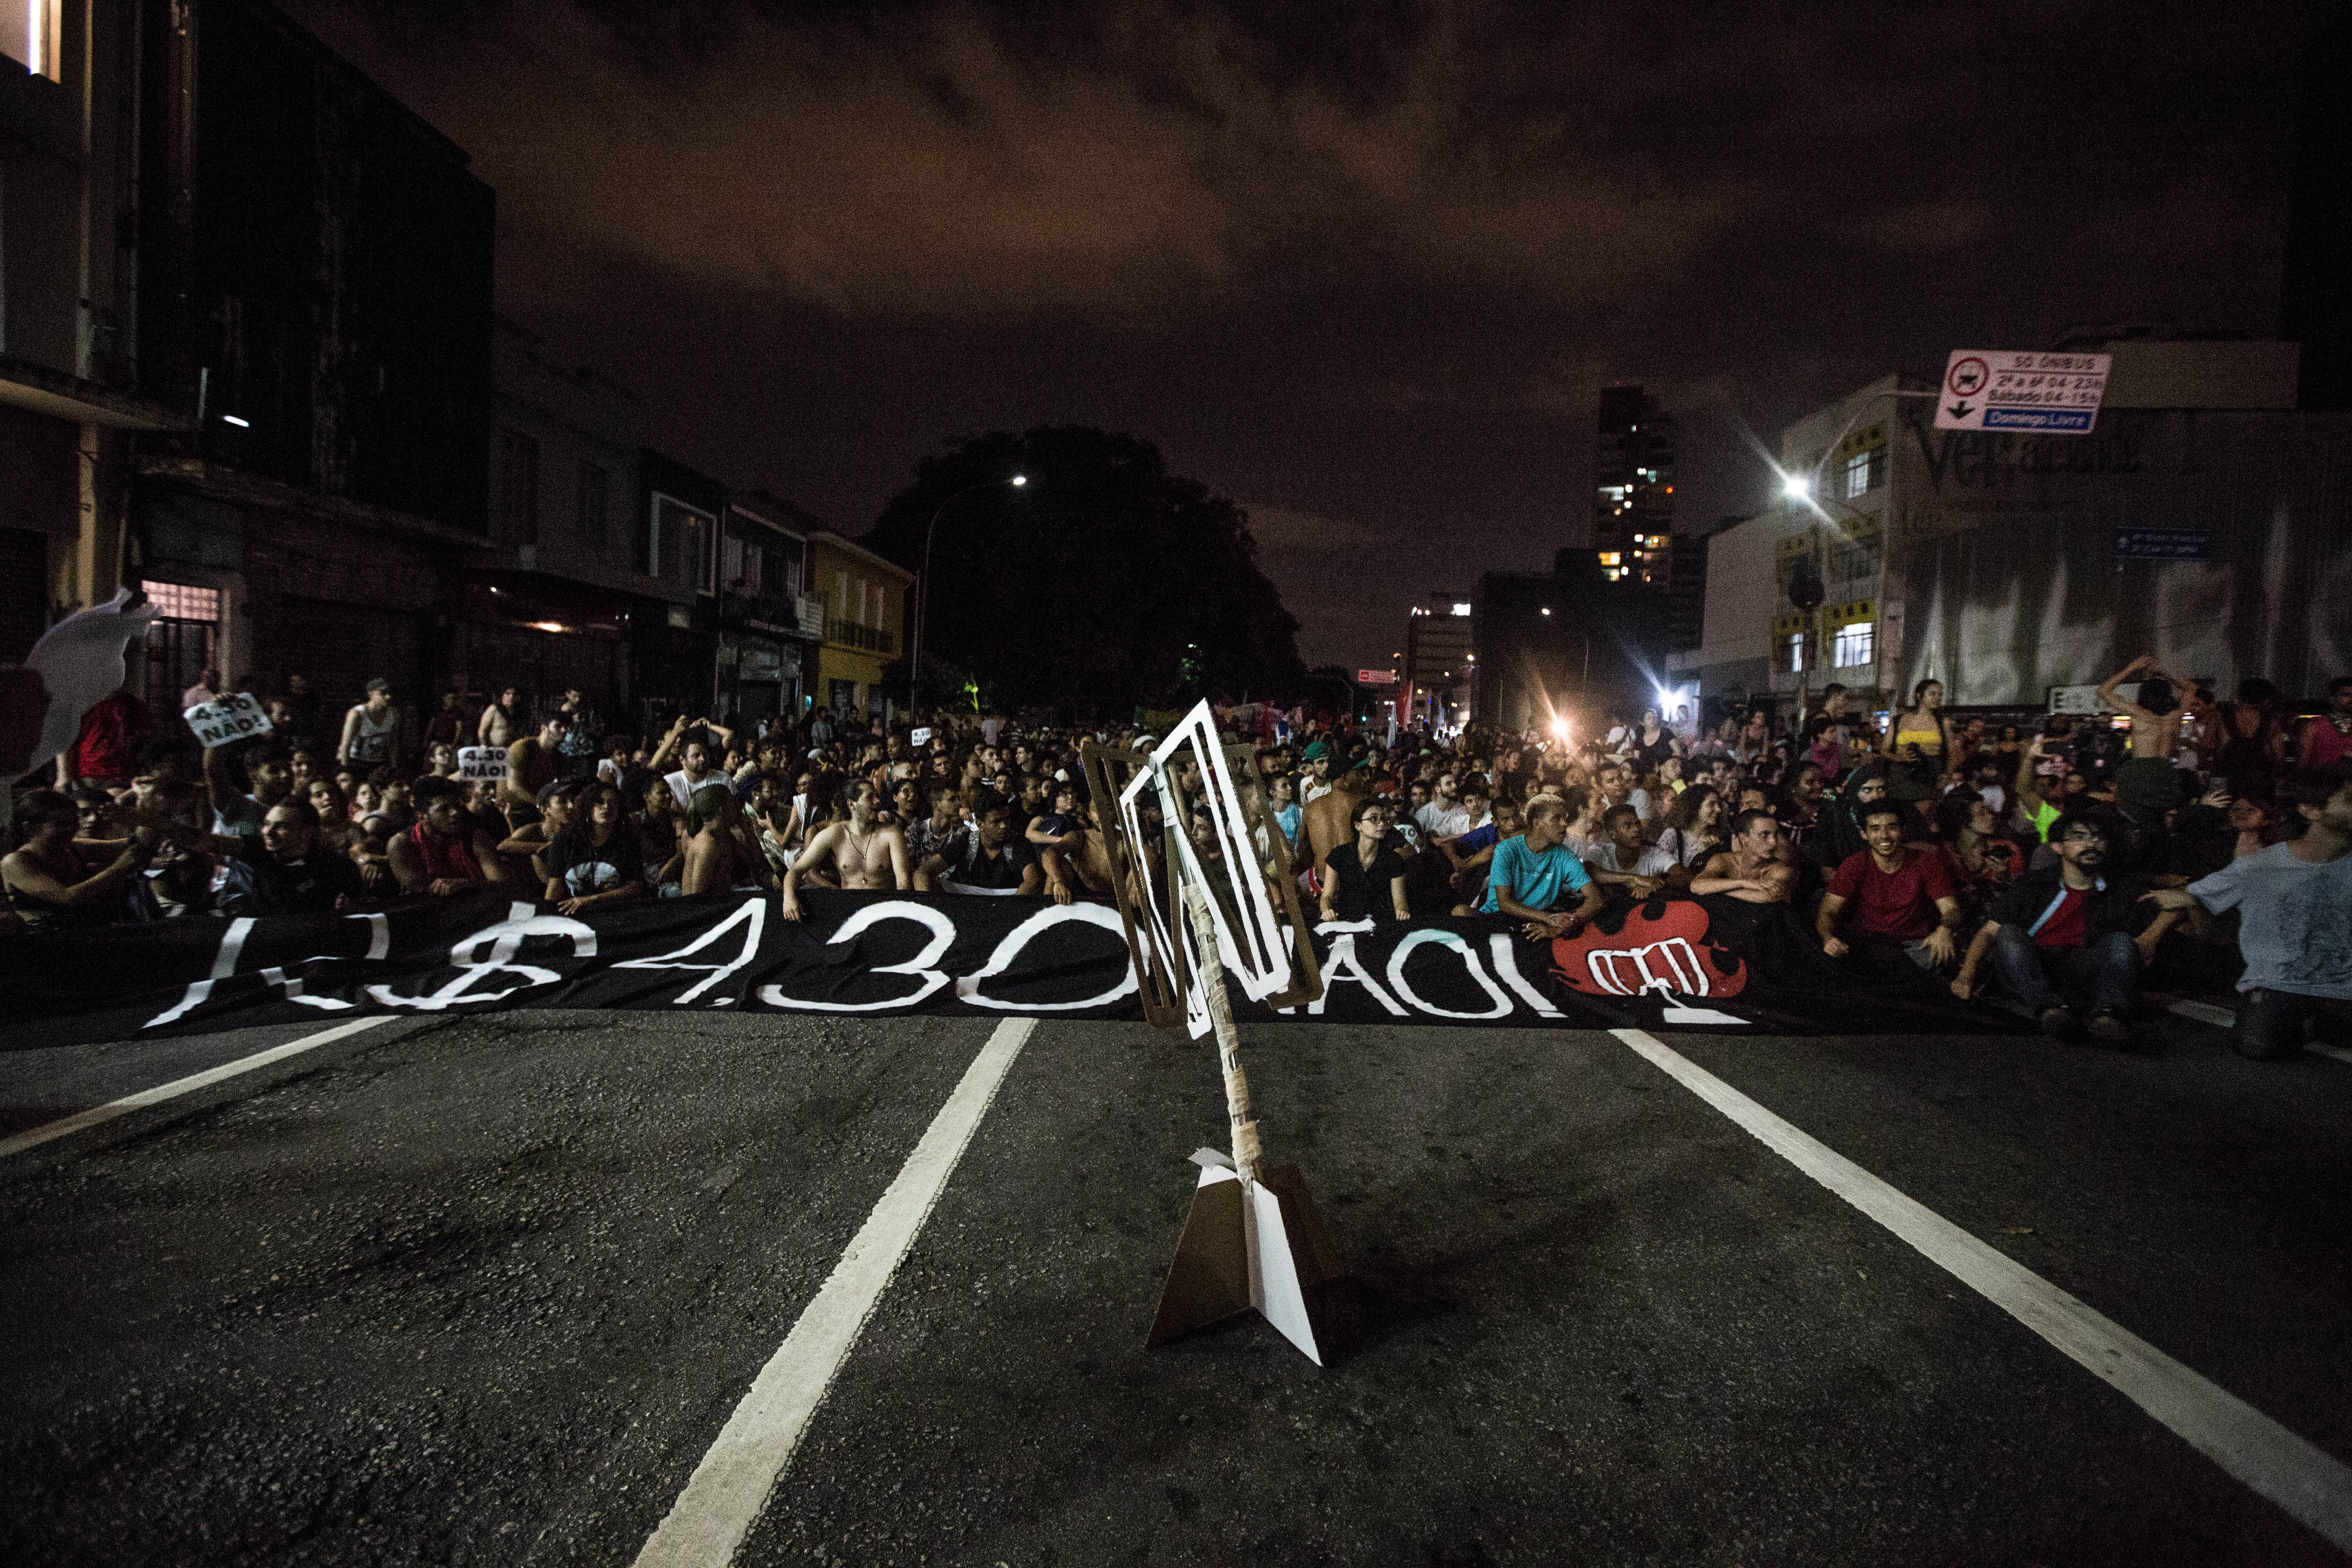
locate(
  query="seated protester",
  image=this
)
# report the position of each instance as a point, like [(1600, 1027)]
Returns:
[(1364, 878), (2068, 942), (269, 768), (1968, 829), (867, 854), (1444, 816), (2294, 926), (1282, 793), (1903, 898), (987, 855), (1692, 832), (529, 841), (49, 882), (658, 831), (286, 870), (1801, 808), (1059, 836), (934, 836), (1472, 856), (720, 854), (394, 811), (1837, 836), (1754, 869), (1619, 860), (536, 761), (444, 852), (1315, 762), (595, 859), (905, 807), (1534, 872)]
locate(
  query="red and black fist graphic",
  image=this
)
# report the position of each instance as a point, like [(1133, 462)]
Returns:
[(1661, 945)]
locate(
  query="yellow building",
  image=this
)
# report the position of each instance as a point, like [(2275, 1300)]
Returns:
[(866, 602)]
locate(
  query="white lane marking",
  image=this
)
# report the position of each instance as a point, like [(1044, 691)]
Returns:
[(2310, 1484), (179, 1086), (2224, 1018), (723, 1497)]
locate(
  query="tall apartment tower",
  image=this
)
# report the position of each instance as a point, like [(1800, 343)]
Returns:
[(1633, 489)]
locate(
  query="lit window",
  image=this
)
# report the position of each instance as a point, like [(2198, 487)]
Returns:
[(1796, 652), (1461, 609), (178, 601), (1609, 557), (1852, 645)]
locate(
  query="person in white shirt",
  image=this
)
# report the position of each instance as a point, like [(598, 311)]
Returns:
[(1443, 817), (206, 690)]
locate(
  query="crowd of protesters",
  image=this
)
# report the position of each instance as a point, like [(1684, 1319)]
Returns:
[(2045, 862)]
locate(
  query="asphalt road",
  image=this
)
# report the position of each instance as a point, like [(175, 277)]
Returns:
[(485, 1291)]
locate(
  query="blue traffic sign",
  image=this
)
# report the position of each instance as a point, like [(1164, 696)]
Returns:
[(2163, 545)]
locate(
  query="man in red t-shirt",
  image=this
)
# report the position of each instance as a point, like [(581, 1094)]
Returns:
[(101, 754), (1902, 898)]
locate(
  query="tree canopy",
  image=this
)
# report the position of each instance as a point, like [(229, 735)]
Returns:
[(1103, 582)]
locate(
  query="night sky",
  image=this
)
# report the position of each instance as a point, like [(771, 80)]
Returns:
[(1362, 267)]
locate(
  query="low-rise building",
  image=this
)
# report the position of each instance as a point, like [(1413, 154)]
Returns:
[(2204, 520), (865, 603)]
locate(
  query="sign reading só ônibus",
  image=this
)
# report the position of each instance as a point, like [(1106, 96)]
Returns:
[(2047, 394), (478, 763), (227, 719)]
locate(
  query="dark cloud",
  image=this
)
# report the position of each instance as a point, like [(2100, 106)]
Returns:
[(1363, 267)]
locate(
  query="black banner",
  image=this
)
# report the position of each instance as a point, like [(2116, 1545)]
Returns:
[(1672, 962)]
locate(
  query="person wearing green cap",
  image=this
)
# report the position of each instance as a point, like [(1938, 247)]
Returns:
[(1317, 761)]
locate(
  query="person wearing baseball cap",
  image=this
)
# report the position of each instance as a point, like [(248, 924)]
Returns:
[(1316, 761)]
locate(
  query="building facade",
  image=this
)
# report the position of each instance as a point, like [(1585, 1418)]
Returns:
[(70, 394), (314, 294), (866, 604), (1441, 666), (1633, 489), (771, 628), (2204, 519)]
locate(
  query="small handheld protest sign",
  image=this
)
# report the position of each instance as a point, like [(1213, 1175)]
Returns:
[(1250, 1242), (476, 763), (227, 720), (918, 738)]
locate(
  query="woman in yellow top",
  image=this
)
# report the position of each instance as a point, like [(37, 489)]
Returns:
[(1917, 743)]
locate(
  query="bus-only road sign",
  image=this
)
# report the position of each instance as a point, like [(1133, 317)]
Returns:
[(2001, 389)]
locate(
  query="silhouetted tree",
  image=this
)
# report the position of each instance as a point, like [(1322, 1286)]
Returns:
[(1085, 588)]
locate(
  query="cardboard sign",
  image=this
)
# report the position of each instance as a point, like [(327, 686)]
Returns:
[(476, 763), (227, 720), (919, 737)]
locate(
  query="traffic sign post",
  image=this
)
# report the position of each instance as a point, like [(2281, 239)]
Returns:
[(2006, 389)]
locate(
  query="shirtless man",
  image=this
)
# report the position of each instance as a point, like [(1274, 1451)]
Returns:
[(864, 851), (719, 852), (1753, 869)]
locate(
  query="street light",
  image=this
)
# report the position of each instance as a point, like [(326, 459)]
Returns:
[(923, 583)]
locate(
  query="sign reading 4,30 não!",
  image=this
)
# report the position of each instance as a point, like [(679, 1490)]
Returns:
[(227, 720)]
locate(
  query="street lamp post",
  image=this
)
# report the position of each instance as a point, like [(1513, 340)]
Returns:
[(923, 583)]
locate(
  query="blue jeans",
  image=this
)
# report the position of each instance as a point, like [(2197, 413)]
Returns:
[(2101, 976), (2271, 1023)]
